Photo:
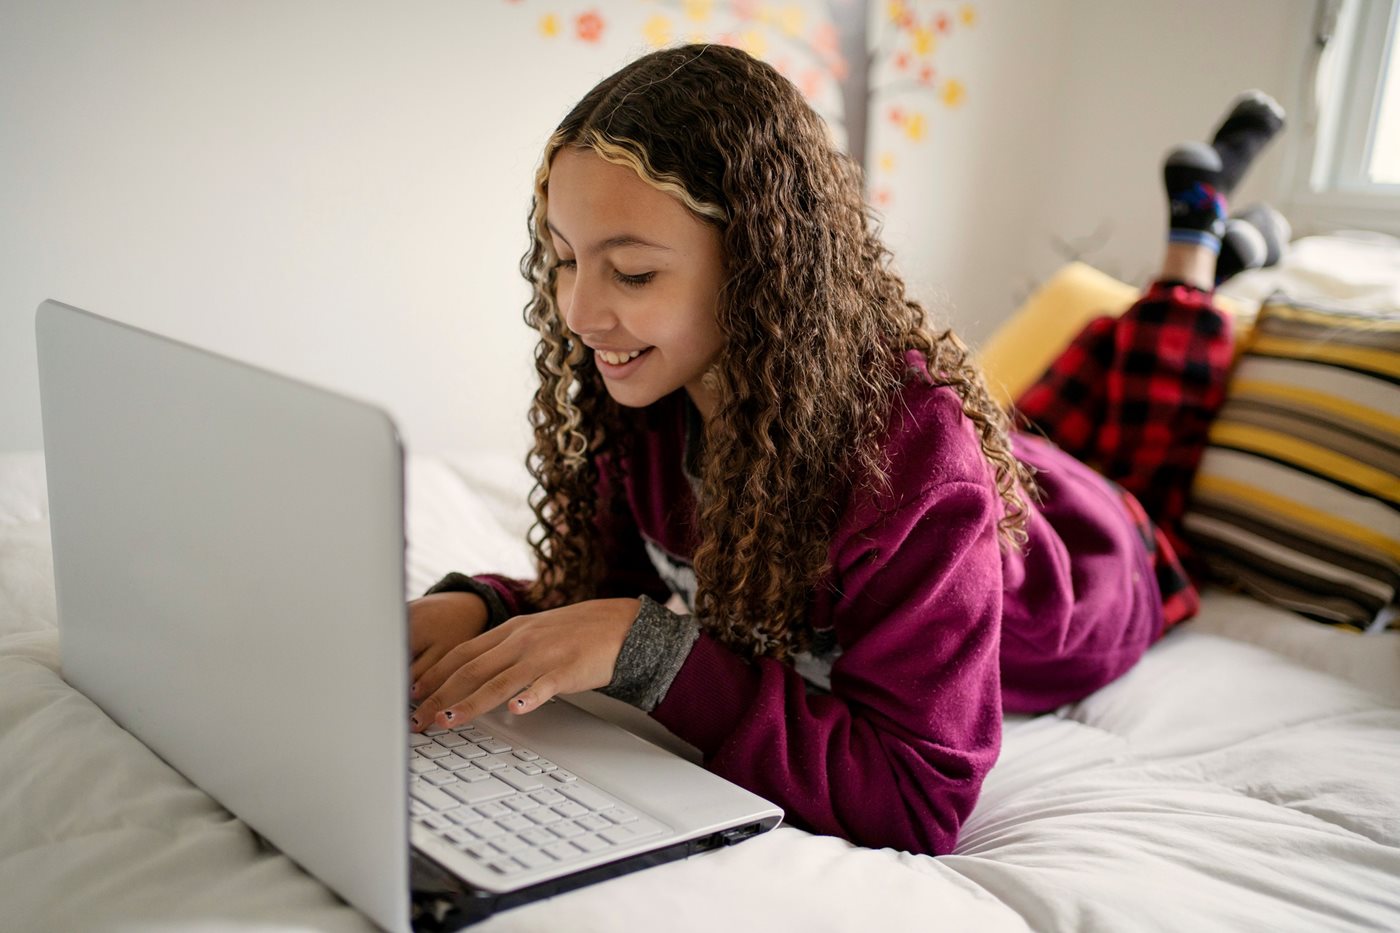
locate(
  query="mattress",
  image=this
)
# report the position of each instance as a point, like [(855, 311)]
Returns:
[(1241, 777)]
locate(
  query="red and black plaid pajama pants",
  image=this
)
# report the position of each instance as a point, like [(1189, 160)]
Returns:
[(1134, 397)]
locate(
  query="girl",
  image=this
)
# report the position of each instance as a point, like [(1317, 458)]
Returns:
[(739, 406)]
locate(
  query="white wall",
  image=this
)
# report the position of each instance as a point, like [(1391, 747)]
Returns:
[(338, 191), (1071, 106)]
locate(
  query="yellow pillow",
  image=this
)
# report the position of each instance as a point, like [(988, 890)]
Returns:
[(1028, 342)]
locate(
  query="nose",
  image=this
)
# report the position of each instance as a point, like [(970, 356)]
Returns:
[(584, 304)]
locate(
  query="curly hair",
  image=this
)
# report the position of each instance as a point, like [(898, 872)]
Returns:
[(815, 325)]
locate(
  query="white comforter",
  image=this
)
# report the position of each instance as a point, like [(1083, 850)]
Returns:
[(1245, 776)]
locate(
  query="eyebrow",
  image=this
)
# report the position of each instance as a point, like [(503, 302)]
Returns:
[(613, 242)]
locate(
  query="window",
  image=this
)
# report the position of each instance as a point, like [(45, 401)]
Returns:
[(1349, 173)]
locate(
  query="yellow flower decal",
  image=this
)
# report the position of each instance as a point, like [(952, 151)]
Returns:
[(916, 126), (968, 15), (954, 92), (698, 10), (753, 43), (549, 25), (896, 10), (657, 31), (887, 161), (790, 20), (924, 41)]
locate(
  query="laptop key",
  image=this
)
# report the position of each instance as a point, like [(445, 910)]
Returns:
[(510, 843), (589, 843), (592, 821), (449, 740), (585, 796), (419, 765), (562, 850), (569, 808), (506, 866), (492, 810), (478, 792), (617, 834), (619, 815), (519, 781), (495, 746), (416, 739), (562, 776), (538, 837), (439, 778), (566, 829), (433, 751), (433, 797), (532, 859)]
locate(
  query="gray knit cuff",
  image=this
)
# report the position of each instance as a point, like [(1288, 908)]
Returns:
[(496, 609), (652, 655)]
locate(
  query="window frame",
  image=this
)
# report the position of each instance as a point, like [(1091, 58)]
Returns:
[(1340, 91)]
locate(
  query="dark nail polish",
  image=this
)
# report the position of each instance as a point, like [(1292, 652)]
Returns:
[(448, 715)]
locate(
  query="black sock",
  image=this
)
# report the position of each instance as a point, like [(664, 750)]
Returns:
[(1255, 238), (1192, 176), (1254, 118)]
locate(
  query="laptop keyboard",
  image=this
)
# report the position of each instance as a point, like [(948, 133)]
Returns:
[(509, 808)]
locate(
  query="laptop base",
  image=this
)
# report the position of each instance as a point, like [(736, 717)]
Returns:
[(443, 902)]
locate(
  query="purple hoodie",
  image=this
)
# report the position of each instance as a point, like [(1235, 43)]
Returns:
[(927, 633)]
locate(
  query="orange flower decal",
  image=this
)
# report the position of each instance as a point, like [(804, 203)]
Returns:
[(589, 26)]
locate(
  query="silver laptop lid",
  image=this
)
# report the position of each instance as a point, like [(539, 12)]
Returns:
[(155, 448)]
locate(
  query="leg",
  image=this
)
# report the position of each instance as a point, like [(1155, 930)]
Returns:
[(1135, 396)]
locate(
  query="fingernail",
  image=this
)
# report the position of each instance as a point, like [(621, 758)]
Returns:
[(519, 702), (413, 691), (414, 720), (448, 715)]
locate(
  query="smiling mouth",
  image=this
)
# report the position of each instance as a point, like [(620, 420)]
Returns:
[(619, 360)]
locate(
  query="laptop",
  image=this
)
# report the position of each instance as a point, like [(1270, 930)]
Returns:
[(229, 559)]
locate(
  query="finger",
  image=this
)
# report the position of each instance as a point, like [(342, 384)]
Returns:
[(430, 678), (491, 694), (537, 693), (424, 662), (456, 681)]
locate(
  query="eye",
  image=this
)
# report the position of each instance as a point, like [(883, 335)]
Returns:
[(633, 281), (569, 264)]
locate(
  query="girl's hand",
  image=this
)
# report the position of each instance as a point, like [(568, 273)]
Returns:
[(439, 623), (526, 660)]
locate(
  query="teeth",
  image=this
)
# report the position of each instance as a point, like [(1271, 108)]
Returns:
[(617, 359)]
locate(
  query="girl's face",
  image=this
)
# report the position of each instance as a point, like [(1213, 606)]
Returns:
[(637, 272)]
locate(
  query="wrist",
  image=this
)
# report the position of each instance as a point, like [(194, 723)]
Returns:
[(655, 645)]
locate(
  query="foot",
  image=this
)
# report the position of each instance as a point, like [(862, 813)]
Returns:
[(1200, 178), (1253, 120), (1255, 238)]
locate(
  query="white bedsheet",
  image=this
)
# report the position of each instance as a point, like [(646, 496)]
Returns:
[(1242, 777)]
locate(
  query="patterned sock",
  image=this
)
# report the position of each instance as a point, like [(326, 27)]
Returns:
[(1200, 178), (1253, 120), (1192, 176), (1255, 238)]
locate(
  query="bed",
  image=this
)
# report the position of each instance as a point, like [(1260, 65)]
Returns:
[(1243, 776)]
